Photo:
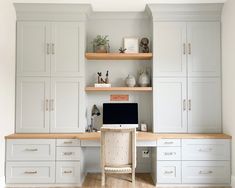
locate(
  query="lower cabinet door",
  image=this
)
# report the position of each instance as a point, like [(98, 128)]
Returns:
[(68, 172), (168, 172), (30, 172), (206, 172), (68, 153)]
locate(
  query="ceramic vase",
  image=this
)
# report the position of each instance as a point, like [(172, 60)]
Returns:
[(144, 79), (130, 81)]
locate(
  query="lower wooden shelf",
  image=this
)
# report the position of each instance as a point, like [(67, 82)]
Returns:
[(146, 89)]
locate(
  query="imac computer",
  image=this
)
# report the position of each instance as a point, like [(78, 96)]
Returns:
[(120, 115)]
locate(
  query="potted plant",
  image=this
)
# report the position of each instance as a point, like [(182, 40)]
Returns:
[(101, 44)]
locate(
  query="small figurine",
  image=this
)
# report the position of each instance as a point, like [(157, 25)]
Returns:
[(107, 77), (122, 50), (101, 80), (144, 45), (99, 77)]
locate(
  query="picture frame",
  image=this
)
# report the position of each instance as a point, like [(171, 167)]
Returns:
[(131, 44)]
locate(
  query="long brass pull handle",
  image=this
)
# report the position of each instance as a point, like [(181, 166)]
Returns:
[(189, 105), (30, 172), (34, 149), (53, 48), (168, 172), (184, 48), (48, 48), (47, 102), (68, 153), (168, 142), (52, 105), (169, 153), (189, 49), (68, 172), (205, 150), (184, 104), (69, 142), (205, 172)]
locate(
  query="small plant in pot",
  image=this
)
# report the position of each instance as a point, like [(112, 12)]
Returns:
[(101, 44)]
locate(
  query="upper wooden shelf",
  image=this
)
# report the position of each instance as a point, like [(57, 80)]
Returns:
[(118, 89), (119, 56)]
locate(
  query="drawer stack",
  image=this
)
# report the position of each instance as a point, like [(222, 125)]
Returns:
[(193, 161)]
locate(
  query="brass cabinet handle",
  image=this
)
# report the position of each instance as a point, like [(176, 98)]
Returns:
[(30, 172), (169, 153), (189, 105), (68, 153), (205, 150), (68, 142), (28, 149), (68, 172), (47, 102), (52, 105), (184, 48), (168, 142), (168, 172), (205, 172), (184, 104), (48, 48), (53, 48), (189, 49)]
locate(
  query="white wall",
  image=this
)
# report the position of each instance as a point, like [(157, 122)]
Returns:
[(7, 76), (228, 66)]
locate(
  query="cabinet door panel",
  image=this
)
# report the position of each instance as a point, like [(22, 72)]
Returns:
[(204, 115), (66, 104), (67, 49), (32, 112), (204, 38), (33, 58), (169, 49), (170, 113)]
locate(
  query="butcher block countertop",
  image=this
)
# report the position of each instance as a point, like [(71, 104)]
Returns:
[(141, 136)]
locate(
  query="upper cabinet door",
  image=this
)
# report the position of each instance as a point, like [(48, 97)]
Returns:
[(33, 49), (170, 108), (67, 55), (67, 105), (169, 49), (203, 49), (32, 105), (204, 105)]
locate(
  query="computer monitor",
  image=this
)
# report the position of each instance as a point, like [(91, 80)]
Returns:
[(120, 115)]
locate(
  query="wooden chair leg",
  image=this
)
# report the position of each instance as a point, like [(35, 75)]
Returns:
[(133, 178), (103, 178)]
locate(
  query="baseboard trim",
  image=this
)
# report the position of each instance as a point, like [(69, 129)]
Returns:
[(233, 181), (2, 181)]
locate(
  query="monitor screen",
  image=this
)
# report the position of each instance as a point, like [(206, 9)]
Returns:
[(120, 113)]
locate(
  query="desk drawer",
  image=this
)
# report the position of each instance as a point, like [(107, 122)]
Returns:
[(30, 172), (30, 149), (68, 153), (68, 142), (207, 172), (169, 142), (168, 172), (205, 149), (68, 172), (168, 153)]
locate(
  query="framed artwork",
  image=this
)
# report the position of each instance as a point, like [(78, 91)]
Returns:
[(131, 45)]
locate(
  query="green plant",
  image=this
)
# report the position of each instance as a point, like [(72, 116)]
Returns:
[(100, 40)]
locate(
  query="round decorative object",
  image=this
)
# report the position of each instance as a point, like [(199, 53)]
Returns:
[(130, 81), (144, 80)]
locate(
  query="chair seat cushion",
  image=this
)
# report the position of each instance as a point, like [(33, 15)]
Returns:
[(117, 169)]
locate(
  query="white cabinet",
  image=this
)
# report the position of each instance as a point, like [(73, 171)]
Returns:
[(204, 100), (49, 105), (66, 104), (170, 49), (32, 104), (50, 48), (33, 40), (170, 113), (203, 48), (186, 49), (68, 41)]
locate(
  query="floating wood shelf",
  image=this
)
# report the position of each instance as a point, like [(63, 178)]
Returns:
[(119, 89), (119, 56)]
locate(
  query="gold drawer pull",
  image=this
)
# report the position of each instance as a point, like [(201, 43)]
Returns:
[(205, 150), (30, 172), (68, 172), (168, 172), (170, 153), (68, 142), (68, 153), (28, 149), (169, 142), (205, 172)]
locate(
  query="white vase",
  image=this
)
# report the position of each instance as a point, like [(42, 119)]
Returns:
[(144, 80), (130, 81)]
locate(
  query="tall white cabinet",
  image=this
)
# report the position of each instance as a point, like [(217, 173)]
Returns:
[(186, 69), (50, 68)]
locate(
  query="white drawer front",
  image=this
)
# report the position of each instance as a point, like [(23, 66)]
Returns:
[(168, 153), (30, 149), (169, 142), (68, 172), (168, 172), (207, 172), (90, 143), (146, 143), (68, 153), (30, 172), (68, 142), (205, 149)]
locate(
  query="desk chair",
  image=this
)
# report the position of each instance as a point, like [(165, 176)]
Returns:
[(118, 151)]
